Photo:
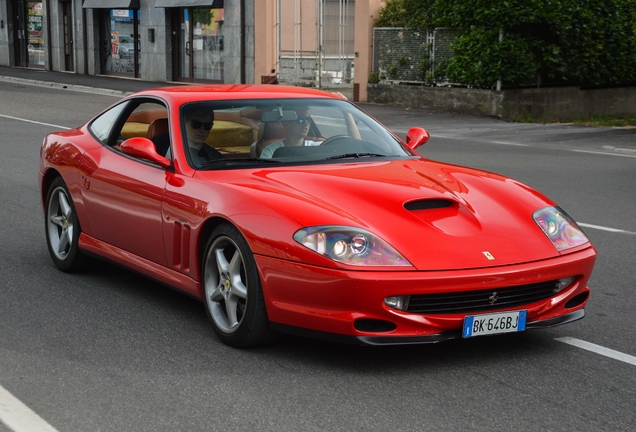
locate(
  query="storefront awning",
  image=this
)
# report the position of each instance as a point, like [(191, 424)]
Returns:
[(189, 3), (111, 4)]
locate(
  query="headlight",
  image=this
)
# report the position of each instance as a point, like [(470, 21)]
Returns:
[(352, 246), (560, 228)]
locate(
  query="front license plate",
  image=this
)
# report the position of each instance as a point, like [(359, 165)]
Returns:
[(506, 322)]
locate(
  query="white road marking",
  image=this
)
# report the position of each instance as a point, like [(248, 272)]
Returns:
[(604, 153), (608, 152), (616, 355), (480, 140), (33, 121), (602, 228), (18, 417), (510, 143)]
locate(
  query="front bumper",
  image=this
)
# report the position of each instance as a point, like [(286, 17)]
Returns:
[(414, 340), (306, 299)]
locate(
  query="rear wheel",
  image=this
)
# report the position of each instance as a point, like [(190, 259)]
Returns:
[(232, 290), (63, 229)]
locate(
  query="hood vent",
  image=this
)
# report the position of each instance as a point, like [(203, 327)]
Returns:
[(428, 204)]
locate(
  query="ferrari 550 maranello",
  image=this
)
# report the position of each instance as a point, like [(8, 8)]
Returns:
[(290, 210)]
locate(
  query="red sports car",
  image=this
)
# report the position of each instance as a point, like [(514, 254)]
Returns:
[(290, 210)]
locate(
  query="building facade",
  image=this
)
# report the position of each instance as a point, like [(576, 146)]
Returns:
[(320, 43)]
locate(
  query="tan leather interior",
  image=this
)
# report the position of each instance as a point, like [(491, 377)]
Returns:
[(156, 127), (268, 133)]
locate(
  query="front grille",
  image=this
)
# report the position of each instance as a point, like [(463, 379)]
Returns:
[(476, 301)]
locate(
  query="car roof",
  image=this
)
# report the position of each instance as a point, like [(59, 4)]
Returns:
[(192, 93)]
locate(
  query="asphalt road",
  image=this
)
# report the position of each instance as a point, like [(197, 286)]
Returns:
[(111, 351)]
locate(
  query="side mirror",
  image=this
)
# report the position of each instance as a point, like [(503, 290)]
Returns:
[(143, 148), (416, 136)]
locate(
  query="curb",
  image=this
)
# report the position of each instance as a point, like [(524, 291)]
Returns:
[(72, 87)]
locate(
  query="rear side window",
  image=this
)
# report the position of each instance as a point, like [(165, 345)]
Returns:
[(102, 126)]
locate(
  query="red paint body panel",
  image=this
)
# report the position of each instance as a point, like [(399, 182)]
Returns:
[(153, 220), (330, 300)]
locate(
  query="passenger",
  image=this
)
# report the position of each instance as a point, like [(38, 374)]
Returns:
[(297, 131), (198, 126)]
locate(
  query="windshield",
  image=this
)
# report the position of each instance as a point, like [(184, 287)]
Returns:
[(226, 134)]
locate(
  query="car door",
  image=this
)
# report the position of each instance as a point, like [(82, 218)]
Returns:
[(122, 194)]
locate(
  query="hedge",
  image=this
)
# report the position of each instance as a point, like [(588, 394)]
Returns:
[(590, 43)]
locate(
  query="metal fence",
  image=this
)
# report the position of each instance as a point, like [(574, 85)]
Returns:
[(315, 42), (407, 55)]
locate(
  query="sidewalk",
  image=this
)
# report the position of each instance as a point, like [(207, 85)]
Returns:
[(68, 80)]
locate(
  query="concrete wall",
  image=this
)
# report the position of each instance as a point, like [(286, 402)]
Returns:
[(4, 36), (156, 64), (367, 12), (56, 42), (232, 40), (483, 102), (265, 27), (566, 103), (544, 104)]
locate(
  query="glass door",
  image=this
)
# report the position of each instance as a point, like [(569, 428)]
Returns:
[(35, 36), (199, 38), (119, 41)]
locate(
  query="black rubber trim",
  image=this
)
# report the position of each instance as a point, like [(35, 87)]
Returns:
[(411, 340), (553, 322)]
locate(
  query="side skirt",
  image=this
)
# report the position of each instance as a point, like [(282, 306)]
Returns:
[(159, 273)]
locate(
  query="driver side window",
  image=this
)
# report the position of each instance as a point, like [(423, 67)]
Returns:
[(102, 126)]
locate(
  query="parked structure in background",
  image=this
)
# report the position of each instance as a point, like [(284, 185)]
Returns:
[(320, 43)]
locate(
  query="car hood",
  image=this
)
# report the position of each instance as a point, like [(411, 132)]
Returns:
[(439, 216)]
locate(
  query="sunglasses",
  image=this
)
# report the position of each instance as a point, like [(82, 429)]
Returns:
[(196, 124), (301, 120)]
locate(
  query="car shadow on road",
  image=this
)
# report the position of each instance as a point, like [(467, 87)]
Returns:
[(146, 316)]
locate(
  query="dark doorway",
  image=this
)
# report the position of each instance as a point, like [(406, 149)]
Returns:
[(20, 33), (67, 17)]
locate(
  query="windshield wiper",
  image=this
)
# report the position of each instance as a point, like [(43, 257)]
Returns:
[(241, 161), (356, 155)]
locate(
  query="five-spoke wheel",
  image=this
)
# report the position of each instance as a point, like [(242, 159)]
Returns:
[(232, 289), (62, 229)]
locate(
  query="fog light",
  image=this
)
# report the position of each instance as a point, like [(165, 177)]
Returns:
[(398, 302), (562, 284)]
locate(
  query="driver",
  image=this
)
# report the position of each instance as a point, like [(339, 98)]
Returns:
[(297, 131), (198, 126)]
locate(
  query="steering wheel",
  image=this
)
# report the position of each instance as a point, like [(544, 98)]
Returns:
[(335, 138)]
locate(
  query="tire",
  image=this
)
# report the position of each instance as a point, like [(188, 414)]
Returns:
[(232, 291), (63, 229)]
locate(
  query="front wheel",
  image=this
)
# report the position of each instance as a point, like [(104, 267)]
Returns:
[(63, 229), (232, 290)]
